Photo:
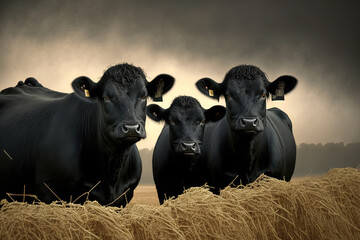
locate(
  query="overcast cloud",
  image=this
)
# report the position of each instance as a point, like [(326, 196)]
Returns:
[(317, 42)]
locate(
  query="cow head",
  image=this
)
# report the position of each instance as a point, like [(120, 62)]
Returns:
[(121, 95), (246, 89), (186, 119)]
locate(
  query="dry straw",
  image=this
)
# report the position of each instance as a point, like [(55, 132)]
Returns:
[(326, 207)]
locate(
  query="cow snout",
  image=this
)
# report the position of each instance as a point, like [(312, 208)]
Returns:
[(131, 128), (249, 122), (189, 148), (250, 125), (131, 132)]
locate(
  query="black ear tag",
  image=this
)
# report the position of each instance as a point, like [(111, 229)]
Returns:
[(159, 91), (279, 93)]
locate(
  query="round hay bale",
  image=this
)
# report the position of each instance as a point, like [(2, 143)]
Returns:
[(326, 207)]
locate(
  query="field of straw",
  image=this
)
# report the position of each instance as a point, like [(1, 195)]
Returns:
[(326, 207)]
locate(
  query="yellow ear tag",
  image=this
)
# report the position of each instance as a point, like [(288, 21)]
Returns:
[(211, 92), (87, 94)]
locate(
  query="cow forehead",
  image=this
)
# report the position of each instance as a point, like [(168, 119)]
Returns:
[(249, 85), (185, 114), (117, 87)]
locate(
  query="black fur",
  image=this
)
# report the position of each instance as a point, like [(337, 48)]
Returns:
[(73, 141), (124, 74), (251, 139), (176, 161), (185, 102)]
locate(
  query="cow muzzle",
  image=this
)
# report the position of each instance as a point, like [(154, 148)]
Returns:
[(188, 148), (131, 132), (249, 125), (131, 129)]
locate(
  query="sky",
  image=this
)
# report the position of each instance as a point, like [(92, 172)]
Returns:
[(315, 41)]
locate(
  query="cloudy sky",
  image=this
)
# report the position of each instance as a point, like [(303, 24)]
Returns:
[(318, 42)]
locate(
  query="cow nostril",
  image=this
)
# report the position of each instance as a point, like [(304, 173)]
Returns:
[(138, 128), (243, 123), (193, 147), (125, 129), (255, 122)]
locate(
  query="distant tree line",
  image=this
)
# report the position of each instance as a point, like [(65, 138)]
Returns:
[(312, 159)]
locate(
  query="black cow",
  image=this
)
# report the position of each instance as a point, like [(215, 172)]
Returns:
[(176, 159), (250, 140), (71, 142)]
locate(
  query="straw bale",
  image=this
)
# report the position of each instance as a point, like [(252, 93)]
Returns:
[(326, 207)]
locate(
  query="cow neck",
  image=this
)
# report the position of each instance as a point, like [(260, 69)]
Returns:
[(112, 162), (106, 154), (186, 168), (248, 149), (112, 156), (186, 164)]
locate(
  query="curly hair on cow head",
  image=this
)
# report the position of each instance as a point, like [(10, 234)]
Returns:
[(185, 102), (124, 73), (248, 72)]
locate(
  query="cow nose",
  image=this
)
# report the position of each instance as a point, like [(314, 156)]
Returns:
[(249, 122), (188, 146), (126, 128), (130, 131)]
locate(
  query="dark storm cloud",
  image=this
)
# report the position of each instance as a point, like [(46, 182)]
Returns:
[(316, 41), (325, 34)]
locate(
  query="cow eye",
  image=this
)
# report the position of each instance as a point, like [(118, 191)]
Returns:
[(144, 97), (106, 98), (200, 122), (263, 95), (172, 122)]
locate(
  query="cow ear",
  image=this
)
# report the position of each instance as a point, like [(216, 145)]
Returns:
[(215, 113), (85, 88), (209, 87), (281, 86), (155, 112), (30, 81), (159, 86)]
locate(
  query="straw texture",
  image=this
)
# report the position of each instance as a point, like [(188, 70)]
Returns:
[(326, 207)]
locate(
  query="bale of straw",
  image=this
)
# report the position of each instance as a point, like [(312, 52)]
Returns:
[(327, 207)]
